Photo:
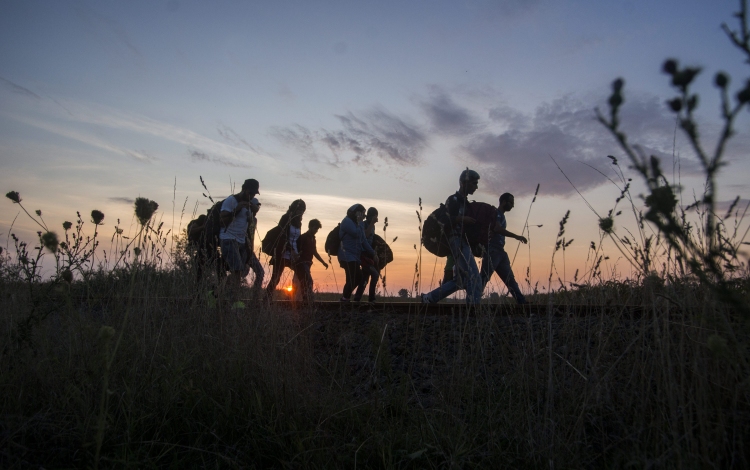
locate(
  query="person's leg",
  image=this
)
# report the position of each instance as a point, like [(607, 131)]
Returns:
[(374, 278), (257, 269), (489, 261), (466, 270), (504, 270), (232, 256), (362, 285), (449, 286), (349, 285), (307, 283), (278, 269), (448, 270)]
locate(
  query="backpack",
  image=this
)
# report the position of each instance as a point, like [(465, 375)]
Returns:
[(385, 255), (213, 226), (273, 242), (196, 239), (479, 234), (434, 237), (333, 241)]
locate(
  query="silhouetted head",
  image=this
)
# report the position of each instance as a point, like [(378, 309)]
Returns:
[(372, 216), (507, 202), (468, 181), (356, 212)]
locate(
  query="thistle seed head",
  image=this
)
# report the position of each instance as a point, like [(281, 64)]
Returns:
[(13, 196), (50, 241), (67, 225), (97, 217), (144, 209)]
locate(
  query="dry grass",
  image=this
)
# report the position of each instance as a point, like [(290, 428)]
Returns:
[(192, 386)]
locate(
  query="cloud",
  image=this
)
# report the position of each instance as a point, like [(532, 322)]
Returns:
[(122, 200), (309, 175), (85, 137), (15, 88), (517, 158), (447, 117), (228, 134), (199, 156), (375, 133)]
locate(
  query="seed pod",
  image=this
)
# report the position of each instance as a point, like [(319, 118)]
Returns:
[(670, 66), (97, 217)]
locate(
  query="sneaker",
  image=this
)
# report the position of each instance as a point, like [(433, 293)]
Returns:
[(344, 299), (424, 299)]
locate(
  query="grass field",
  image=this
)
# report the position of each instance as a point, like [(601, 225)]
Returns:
[(113, 372)]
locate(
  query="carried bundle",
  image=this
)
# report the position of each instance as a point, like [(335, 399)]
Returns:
[(385, 255), (435, 232), (480, 233)]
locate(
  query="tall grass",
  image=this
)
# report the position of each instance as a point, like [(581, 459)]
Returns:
[(196, 386)]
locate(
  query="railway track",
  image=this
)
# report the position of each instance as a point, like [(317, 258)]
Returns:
[(451, 308)]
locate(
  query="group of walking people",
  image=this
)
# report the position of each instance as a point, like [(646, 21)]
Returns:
[(230, 225)]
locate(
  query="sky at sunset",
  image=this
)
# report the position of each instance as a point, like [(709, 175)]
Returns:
[(378, 103)]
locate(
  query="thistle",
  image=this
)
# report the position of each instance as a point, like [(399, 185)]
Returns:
[(67, 225), (50, 241), (97, 217), (13, 196), (144, 209)]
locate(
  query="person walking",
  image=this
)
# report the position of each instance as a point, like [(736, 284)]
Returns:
[(369, 267), (495, 258), (253, 263), (287, 252), (353, 243), (235, 216), (307, 245), (467, 274)]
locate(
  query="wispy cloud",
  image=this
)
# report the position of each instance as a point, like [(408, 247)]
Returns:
[(84, 137), (15, 88), (375, 133), (446, 116), (121, 200), (199, 156), (228, 134)]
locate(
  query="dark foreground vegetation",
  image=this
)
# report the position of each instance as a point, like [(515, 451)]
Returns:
[(132, 369)]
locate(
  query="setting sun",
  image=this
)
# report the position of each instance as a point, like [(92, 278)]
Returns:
[(288, 288)]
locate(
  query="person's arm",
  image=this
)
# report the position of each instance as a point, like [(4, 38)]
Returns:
[(499, 230), (452, 204), (367, 247), (227, 216), (315, 253)]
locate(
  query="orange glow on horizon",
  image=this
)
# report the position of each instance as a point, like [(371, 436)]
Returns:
[(288, 288)]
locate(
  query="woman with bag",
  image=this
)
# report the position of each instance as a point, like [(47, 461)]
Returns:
[(353, 243)]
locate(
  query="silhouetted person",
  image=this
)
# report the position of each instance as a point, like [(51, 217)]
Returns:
[(308, 248), (235, 216), (467, 274), (287, 252), (353, 243), (369, 267), (495, 258)]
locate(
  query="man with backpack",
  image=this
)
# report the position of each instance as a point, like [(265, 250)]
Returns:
[(307, 245), (235, 216), (467, 274), (496, 259)]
